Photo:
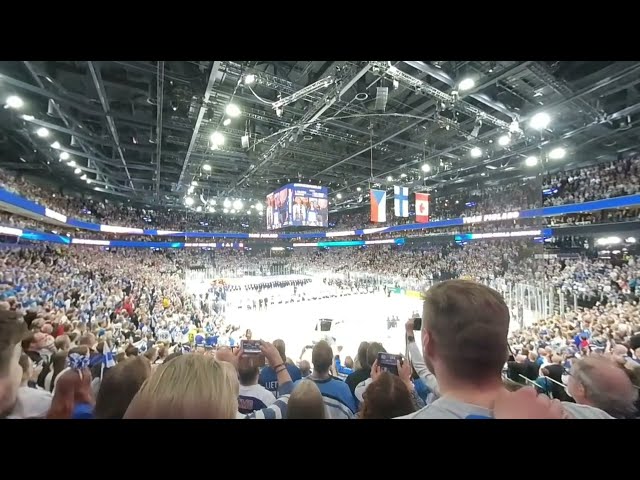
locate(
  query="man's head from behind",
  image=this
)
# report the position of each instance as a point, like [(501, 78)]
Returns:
[(464, 332), (306, 401), (12, 331), (321, 357), (279, 344), (597, 381)]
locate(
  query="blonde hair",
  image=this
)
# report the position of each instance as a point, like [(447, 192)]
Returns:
[(188, 387)]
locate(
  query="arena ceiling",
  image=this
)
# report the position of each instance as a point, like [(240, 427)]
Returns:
[(145, 130)]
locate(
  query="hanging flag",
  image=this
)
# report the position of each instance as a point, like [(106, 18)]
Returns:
[(109, 360), (401, 201), (378, 206), (422, 207)]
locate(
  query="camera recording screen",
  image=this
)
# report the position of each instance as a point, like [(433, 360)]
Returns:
[(388, 362), (251, 347)]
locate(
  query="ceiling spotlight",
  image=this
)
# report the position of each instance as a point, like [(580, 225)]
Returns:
[(64, 156), (199, 208), (249, 79), (42, 132), (339, 196), (194, 184), (557, 153), (226, 210), (233, 110), (259, 206), (359, 189), (389, 178), (72, 163), (466, 84), (217, 139), (476, 152), (540, 121), (227, 203), (83, 177), (237, 204), (233, 210), (189, 201), (531, 161), (212, 210), (206, 167), (77, 171), (227, 122), (212, 201), (426, 167), (55, 145), (190, 190), (14, 101), (248, 212), (28, 118), (403, 175), (89, 181), (504, 140)]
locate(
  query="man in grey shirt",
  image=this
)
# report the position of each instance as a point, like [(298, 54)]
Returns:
[(464, 341)]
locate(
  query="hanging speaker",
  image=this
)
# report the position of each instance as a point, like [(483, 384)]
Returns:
[(74, 142), (382, 95)]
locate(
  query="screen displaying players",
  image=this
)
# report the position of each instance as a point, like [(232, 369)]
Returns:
[(298, 205)]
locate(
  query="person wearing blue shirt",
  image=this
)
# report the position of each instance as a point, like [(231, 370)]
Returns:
[(338, 400), (268, 378)]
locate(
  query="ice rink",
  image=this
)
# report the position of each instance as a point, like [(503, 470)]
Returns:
[(356, 318)]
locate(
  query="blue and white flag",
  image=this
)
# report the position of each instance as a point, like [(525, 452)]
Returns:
[(401, 201), (109, 359)]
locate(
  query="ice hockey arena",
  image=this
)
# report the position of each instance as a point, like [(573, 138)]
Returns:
[(319, 239)]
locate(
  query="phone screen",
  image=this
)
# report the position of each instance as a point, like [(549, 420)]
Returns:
[(388, 362), (417, 323), (251, 347)]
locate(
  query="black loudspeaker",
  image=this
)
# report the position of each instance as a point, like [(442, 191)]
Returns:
[(325, 325)]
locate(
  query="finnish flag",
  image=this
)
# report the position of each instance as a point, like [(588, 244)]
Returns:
[(401, 201)]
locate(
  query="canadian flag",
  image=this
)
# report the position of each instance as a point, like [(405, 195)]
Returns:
[(422, 207)]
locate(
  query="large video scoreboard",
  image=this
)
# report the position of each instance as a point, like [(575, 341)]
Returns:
[(298, 205)]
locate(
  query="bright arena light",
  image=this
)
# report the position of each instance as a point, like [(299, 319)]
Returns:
[(233, 110), (64, 156), (476, 152), (237, 204), (189, 201), (206, 167), (466, 84), (531, 161), (227, 204), (55, 145), (249, 79), (227, 122), (194, 184), (14, 101), (557, 153), (259, 206), (426, 168), (42, 132), (359, 189), (77, 171), (72, 163), (540, 121), (217, 139), (389, 178), (199, 208), (339, 196), (504, 140)]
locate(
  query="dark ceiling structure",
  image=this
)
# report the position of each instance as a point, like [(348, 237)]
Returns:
[(156, 133)]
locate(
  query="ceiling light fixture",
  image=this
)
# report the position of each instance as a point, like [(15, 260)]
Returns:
[(531, 161), (64, 156), (14, 101), (77, 171), (206, 167), (72, 163), (189, 201), (540, 121), (476, 152), (42, 132), (83, 177), (426, 167), (227, 203), (557, 153), (237, 204), (194, 184), (389, 178), (55, 145), (466, 84), (249, 79), (339, 196), (227, 122), (233, 110), (504, 140), (217, 139)]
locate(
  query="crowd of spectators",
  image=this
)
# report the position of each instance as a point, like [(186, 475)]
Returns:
[(586, 184)]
